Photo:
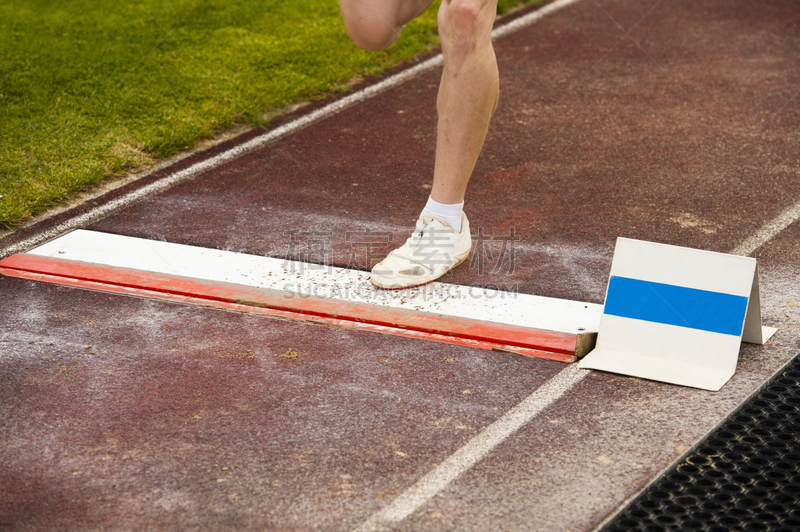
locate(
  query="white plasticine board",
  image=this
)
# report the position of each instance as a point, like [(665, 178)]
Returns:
[(298, 279)]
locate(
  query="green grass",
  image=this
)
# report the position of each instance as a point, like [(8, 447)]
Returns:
[(90, 89)]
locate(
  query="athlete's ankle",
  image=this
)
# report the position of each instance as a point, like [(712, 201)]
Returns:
[(450, 212)]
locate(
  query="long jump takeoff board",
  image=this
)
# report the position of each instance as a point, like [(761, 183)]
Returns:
[(550, 328)]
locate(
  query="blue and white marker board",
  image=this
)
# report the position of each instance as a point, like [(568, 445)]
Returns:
[(677, 315)]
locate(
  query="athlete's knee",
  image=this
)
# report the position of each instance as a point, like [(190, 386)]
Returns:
[(371, 37), (465, 23), (462, 15), (367, 28)]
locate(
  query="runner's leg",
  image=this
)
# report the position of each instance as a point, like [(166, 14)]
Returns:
[(468, 93), (469, 88)]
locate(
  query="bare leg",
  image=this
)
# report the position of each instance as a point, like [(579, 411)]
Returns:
[(468, 93), (469, 88), (467, 98), (376, 24)]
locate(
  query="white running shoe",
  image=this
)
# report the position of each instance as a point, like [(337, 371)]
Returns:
[(433, 249)]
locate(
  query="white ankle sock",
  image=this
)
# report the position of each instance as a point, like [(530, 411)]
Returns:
[(451, 212)]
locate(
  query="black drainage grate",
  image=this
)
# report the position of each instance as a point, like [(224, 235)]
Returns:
[(743, 476)]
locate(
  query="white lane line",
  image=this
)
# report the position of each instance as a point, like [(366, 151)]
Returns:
[(530, 18), (474, 450), (769, 230), (463, 459), (257, 142), (435, 481)]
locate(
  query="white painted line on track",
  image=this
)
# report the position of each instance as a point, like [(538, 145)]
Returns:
[(530, 18), (769, 230), (468, 455), (474, 450), (261, 140)]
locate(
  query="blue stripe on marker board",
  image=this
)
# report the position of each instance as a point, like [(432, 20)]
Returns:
[(676, 305)]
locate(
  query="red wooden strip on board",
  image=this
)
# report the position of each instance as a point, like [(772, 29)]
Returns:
[(287, 315), (246, 296)]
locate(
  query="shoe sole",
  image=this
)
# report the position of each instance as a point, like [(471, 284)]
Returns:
[(400, 287)]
